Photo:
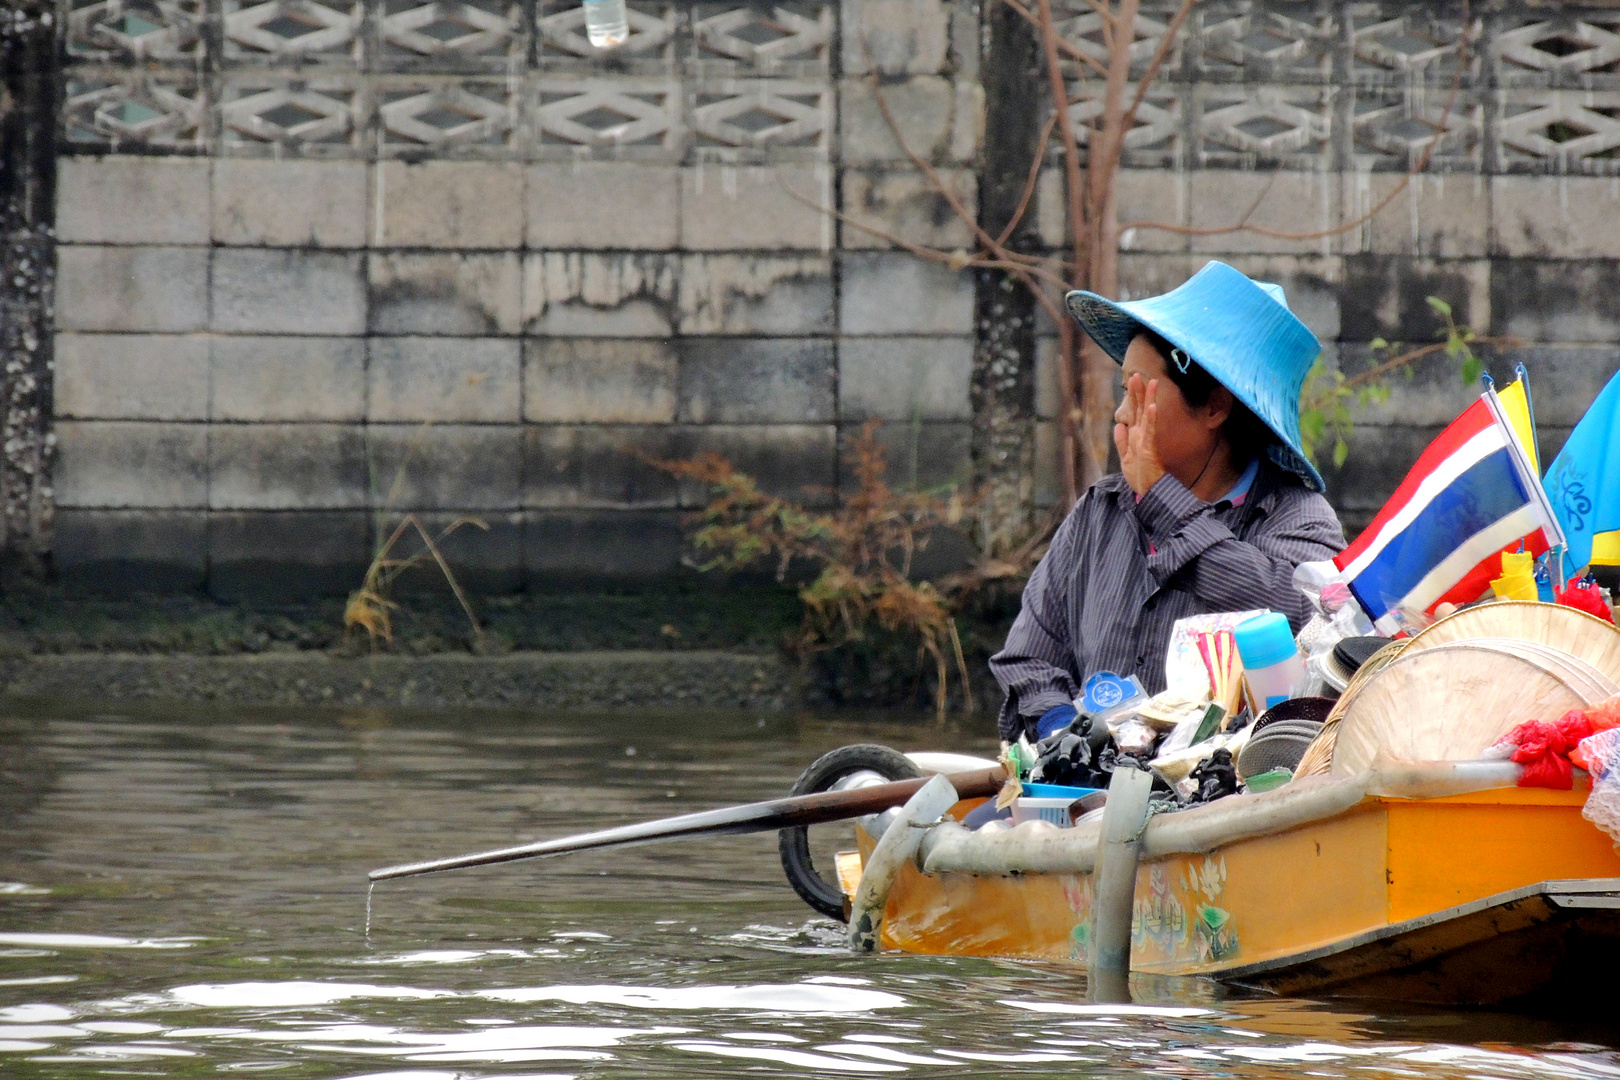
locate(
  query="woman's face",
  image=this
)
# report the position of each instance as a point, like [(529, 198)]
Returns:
[(1187, 436)]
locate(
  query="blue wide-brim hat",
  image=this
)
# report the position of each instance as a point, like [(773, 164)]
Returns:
[(1237, 329)]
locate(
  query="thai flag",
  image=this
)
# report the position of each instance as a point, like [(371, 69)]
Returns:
[(1440, 537)]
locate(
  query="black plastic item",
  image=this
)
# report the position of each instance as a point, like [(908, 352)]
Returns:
[(794, 843), (1351, 652), (1312, 709)]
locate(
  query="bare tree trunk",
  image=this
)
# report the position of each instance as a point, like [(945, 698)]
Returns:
[(29, 72)]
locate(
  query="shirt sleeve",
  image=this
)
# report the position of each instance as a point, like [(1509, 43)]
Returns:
[(1229, 574), (1036, 666)]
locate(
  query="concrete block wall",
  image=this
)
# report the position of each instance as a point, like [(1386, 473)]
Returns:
[(318, 267)]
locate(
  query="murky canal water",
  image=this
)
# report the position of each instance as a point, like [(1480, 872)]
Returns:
[(182, 894)]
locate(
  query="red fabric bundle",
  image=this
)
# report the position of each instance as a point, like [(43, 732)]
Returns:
[(1586, 595), (1544, 749)]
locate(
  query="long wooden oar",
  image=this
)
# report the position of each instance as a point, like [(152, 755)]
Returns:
[(755, 817)]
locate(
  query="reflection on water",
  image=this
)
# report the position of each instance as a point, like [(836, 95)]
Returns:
[(183, 894)]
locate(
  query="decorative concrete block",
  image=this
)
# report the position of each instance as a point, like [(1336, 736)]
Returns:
[(895, 37), (297, 203), (1295, 202), (282, 557), (598, 466), (602, 381), (461, 293), (598, 544), (1145, 195), (1439, 216), (154, 289), (444, 379), (124, 551), (112, 464), (1386, 296), (1555, 301), (288, 378), (795, 461), (919, 455), (903, 203), (939, 120), (131, 376), (132, 200), (1555, 217), (756, 381), (287, 467), (892, 292), (446, 466), (755, 294), (261, 291), (449, 204), (603, 205), (732, 207), (905, 379), (589, 294)]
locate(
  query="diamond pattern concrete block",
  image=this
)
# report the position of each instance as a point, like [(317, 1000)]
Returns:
[(1567, 217), (895, 37), (898, 293), (903, 203), (155, 289), (111, 464), (771, 117), (131, 377), (1303, 204), (272, 113), (584, 380), (905, 379), (756, 294), (472, 293), (106, 30), (764, 39), (597, 466), (756, 381), (443, 379), (447, 117), (603, 205), (118, 109), (564, 41), (262, 291), (590, 294), (615, 116), (132, 200), (450, 204), (287, 467), (446, 466), (726, 208), (452, 34), (291, 31), (288, 378), (319, 204)]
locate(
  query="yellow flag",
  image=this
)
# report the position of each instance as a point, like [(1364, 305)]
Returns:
[(1516, 407), (1606, 549)]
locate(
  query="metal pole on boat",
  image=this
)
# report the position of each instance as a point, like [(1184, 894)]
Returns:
[(1113, 885)]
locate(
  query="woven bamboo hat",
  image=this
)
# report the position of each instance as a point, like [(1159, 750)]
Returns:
[(1554, 625)]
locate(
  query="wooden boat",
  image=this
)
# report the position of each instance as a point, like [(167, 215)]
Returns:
[(1481, 898)]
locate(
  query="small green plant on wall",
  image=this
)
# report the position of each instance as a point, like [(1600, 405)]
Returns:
[(1330, 399)]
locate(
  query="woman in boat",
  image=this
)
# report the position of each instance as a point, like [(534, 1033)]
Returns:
[(1214, 505)]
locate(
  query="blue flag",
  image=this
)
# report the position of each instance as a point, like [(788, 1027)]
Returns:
[(1584, 480)]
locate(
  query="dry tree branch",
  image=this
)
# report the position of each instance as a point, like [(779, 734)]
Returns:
[(1159, 56)]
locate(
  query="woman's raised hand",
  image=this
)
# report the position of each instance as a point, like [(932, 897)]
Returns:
[(1136, 432)]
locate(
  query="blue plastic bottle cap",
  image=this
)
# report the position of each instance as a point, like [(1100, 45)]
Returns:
[(1265, 640)]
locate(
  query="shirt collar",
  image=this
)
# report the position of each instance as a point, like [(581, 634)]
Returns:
[(1240, 490)]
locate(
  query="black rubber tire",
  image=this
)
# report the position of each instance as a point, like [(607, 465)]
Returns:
[(794, 843)]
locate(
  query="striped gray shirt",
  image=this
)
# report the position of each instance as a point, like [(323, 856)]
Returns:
[(1120, 572)]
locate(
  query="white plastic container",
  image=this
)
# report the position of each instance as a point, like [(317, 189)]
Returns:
[(1051, 811), (606, 23), (1272, 666)]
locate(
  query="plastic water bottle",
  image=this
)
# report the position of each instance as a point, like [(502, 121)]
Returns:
[(606, 23), (1272, 665)]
